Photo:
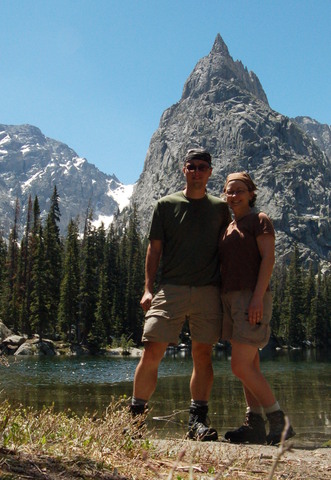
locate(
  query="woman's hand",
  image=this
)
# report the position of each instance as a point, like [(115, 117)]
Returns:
[(266, 246), (255, 309)]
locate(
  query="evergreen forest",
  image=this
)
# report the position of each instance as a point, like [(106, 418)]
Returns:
[(85, 288)]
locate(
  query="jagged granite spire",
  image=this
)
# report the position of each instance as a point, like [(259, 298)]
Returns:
[(217, 70), (220, 46)]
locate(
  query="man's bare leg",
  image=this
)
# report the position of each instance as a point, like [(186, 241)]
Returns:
[(145, 378)]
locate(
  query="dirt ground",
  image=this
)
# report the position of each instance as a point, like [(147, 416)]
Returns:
[(253, 461), (179, 460)]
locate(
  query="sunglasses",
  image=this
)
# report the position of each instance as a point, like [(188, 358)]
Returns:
[(199, 168)]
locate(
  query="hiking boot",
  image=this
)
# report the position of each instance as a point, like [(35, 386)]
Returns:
[(138, 414), (136, 410), (277, 425), (252, 431), (198, 425)]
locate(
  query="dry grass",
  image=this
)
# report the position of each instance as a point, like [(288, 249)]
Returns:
[(84, 443), (48, 445)]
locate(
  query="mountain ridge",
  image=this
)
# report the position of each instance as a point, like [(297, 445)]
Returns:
[(32, 164)]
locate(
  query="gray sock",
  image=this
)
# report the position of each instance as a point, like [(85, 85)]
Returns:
[(273, 408), (138, 401), (257, 410), (199, 403)]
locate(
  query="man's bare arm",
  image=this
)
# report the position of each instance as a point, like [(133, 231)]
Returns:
[(153, 256)]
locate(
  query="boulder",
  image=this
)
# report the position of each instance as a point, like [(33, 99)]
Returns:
[(14, 340), (35, 347), (4, 331)]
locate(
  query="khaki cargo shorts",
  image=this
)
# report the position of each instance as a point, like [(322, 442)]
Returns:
[(235, 324), (173, 304)]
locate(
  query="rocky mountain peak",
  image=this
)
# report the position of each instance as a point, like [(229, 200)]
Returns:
[(218, 71), (220, 47)]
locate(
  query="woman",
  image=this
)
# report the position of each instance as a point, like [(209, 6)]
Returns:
[(247, 252)]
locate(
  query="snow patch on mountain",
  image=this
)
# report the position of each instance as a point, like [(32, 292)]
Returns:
[(103, 219), (121, 195), (26, 149), (26, 185), (6, 139), (78, 162)]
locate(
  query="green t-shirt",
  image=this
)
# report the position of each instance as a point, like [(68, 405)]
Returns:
[(189, 230)]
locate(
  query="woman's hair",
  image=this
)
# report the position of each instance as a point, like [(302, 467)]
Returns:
[(253, 200), (247, 180)]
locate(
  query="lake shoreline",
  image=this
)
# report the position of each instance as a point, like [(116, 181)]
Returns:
[(20, 345)]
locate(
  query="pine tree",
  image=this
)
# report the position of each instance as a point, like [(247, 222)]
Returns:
[(96, 338), (89, 280), (53, 261), (119, 307), (69, 289), (3, 256), (326, 298), (135, 279), (10, 305), (292, 315), (25, 274), (112, 276), (277, 286), (309, 295), (320, 315), (39, 311), (282, 304)]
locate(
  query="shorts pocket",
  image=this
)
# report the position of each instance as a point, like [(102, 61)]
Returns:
[(160, 306), (244, 332)]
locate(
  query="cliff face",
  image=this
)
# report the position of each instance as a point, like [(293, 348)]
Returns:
[(224, 109), (320, 133)]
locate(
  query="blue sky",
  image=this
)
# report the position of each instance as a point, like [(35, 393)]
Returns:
[(98, 74)]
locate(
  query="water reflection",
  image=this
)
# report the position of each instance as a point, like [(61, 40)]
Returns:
[(300, 379)]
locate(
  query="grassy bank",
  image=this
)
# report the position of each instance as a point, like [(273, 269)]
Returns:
[(48, 445)]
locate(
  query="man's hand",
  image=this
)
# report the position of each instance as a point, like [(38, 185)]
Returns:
[(153, 255), (146, 301)]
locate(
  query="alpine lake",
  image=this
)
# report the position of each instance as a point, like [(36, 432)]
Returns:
[(301, 381)]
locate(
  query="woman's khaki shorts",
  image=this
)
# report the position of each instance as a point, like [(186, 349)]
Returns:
[(235, 324), (173, 304)]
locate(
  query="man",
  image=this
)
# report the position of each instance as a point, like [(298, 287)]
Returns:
[(184, 232)]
